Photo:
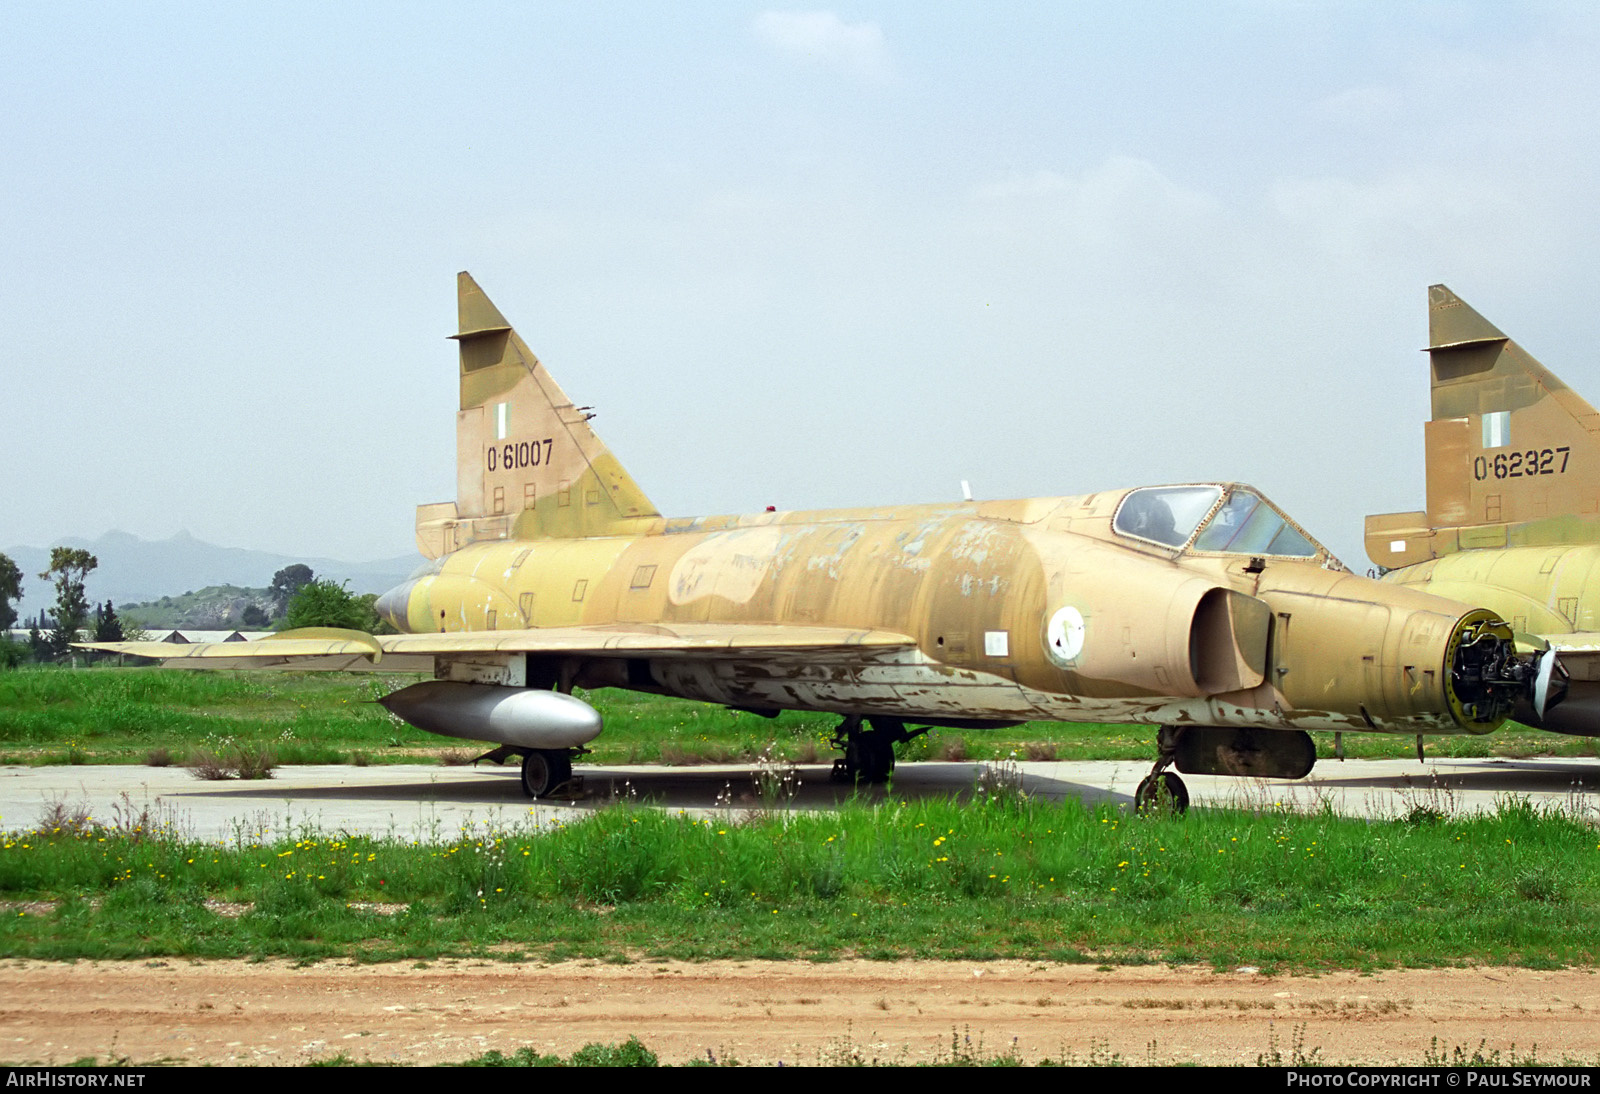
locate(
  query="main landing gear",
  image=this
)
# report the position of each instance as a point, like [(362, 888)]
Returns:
[(544, 770), (868, 753), (1162, 791)]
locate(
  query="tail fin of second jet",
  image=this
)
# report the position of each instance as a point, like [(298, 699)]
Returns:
[(527, 463), (1513, 453)]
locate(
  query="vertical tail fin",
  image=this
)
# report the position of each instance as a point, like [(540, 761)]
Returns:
[(1513, 453), (527, 463)]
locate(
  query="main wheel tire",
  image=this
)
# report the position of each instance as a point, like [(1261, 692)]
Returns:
[(870, 757), (1163, 793), (560, 768), (543, 771)]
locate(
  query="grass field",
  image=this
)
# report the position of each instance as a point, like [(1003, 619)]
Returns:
[(131, 715), (1003, 878)]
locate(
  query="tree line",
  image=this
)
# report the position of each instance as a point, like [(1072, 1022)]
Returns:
[(299, 598)]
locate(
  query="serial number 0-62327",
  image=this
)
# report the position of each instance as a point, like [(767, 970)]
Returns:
[(1522, 465)]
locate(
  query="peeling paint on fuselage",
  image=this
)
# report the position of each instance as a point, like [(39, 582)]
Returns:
[(973, 585)]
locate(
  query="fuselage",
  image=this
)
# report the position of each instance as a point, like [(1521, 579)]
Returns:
[(1549, 593), (1546, 590), (1042, 608)]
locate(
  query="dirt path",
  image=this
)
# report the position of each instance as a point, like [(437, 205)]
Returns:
[(763, 1012)]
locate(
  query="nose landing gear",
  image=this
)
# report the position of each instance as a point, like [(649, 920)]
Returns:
[(1162, 791), (1221, 750)]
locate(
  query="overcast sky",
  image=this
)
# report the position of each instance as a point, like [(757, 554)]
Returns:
[(798, 257)]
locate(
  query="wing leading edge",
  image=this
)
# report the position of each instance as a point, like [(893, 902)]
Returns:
[(331, 650)]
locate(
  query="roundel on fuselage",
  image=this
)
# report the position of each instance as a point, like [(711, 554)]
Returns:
[(1063, 636)]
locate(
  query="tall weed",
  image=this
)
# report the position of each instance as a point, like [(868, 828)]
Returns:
[(1266, 887)]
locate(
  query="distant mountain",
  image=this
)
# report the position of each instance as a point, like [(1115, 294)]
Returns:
[(213, 608), (133, 569)]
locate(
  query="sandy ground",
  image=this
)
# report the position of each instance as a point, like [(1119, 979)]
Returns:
[(229, 1012)]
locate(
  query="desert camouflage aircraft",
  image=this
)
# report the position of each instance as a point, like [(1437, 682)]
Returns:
[(1200, 609), (1513, 495)]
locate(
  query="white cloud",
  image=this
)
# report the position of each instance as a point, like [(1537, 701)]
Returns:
[(1023, 184), (1116, 202), (1363, 106), (822, 38), (1446, 215)]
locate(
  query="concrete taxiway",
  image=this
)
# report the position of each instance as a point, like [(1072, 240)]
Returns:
[(427, 802)]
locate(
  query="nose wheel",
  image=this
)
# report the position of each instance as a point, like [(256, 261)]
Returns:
[(1162, 791)]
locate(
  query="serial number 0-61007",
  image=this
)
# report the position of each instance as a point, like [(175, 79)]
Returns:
[(521, 454), (1522, 465)]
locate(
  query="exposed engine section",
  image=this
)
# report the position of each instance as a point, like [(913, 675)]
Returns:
[(1489, 678)]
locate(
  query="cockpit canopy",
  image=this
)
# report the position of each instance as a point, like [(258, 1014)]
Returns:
[(1225, 519)]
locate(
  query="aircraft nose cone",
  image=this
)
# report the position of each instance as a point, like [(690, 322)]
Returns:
[(393, 604)]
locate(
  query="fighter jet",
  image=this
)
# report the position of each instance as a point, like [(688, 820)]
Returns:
[(1513, 516), (1201, 609)]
